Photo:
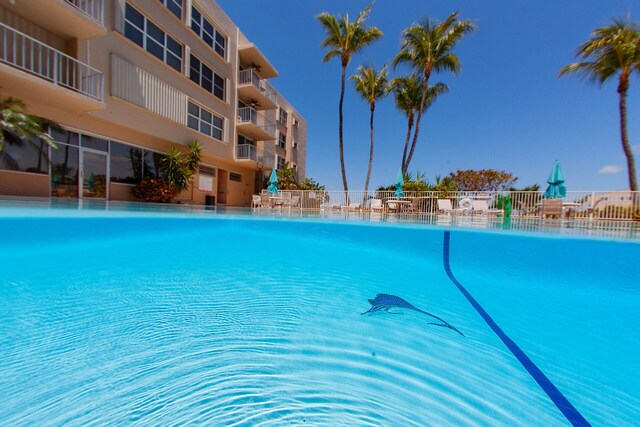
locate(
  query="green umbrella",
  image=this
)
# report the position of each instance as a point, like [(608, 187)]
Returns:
[(556, 189), (273, 183), (399, 183)]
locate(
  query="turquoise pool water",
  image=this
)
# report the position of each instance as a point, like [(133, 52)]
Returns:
[(149, 319)]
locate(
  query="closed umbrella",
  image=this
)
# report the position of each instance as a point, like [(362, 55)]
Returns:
[(556, 189), (399, 183), (273, 183)]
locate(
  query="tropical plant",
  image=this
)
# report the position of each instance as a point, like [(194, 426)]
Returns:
[(154, 190), (178, 168), (344, 38), (407, 93), (482, 180), (310, 184), (427, 47), (372, 86), (287, 178), (612, 51)]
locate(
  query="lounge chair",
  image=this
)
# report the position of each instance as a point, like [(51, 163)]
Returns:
[(551, 207), (265, 201), (352, 207), (376, 205), (444, 206), (482, 207), (416, 205)]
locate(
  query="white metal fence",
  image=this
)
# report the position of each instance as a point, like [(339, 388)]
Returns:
[(590, 205), (250, 115), (32, 56), (250, 76)]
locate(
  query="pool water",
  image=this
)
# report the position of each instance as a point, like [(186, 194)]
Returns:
[(156, 320)]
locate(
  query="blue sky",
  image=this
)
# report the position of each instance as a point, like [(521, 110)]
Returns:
[(506, 110)]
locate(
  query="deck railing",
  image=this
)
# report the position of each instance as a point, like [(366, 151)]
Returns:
[(250, 115), (34, 57), (578, 205), (250, 76), (251, 152), (93, 8)]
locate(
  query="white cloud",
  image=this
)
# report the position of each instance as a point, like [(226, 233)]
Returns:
[(610, 169)]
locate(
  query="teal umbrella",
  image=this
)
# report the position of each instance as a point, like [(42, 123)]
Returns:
[(399, 183), (273, 183), (556, 189)]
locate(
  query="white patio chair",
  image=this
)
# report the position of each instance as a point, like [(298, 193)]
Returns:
[(444, 206), (376, 205), (481, 207)]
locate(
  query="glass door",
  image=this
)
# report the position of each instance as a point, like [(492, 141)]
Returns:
[(93, 174)]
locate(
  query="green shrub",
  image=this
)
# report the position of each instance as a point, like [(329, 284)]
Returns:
[(154, 190)]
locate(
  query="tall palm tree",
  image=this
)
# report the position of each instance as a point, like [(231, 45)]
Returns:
[(427, 47), (344, 38), (372, 86), (611, 51), (407, 93)]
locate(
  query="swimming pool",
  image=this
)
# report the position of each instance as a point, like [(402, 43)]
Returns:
[(173, 320)]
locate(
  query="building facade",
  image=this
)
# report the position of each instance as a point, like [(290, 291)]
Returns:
[(126, 80)]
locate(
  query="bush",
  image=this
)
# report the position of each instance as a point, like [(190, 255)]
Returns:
[(154, 190)]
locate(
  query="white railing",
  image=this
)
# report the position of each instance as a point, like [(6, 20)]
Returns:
[(34, 57), (93, 8), (250, 115), (578, 205), (250, 152), (251, 77)]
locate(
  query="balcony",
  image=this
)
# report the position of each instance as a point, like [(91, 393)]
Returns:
[(46, 73), (250, 152), (252, 88), (82, 19), (255, 125)]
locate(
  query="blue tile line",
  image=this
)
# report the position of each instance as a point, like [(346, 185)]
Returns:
[(570, 412)]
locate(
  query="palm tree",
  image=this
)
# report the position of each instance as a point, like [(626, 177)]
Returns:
[(407, 92), (427, 47), (611, 51), (371, 85), (345, 38), (17, 126)]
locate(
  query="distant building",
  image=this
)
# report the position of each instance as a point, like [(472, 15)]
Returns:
[(128, 79)]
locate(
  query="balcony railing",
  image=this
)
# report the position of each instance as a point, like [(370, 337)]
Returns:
[(251, 152), (34, 57), (93, 8), (250, 115), (251, 77)]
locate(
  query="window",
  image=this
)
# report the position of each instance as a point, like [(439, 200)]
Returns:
[(150, 37), (282, 140), (151, 164), (206, 78), (207, 32), (25, 155), (237, 177), (280, 163), (175, 6), (242, 140), (94, 143), (204, 121), (282, 115), (126, 163)]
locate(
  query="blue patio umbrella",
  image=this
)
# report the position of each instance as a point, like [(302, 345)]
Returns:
[(556, 189), (273, 183), (399, 183)]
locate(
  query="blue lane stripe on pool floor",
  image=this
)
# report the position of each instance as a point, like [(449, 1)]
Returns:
[(569, 411)]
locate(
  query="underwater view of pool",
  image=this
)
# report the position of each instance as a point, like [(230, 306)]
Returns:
[(229, 321)]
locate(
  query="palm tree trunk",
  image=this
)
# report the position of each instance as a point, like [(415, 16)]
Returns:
[(366, 182), (406, 144), (344, 173), (417, 131), (626, 147)]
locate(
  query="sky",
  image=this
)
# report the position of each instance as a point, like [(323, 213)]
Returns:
[(506, 110)]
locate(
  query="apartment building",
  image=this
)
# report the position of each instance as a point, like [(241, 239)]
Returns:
[(126, 80)]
